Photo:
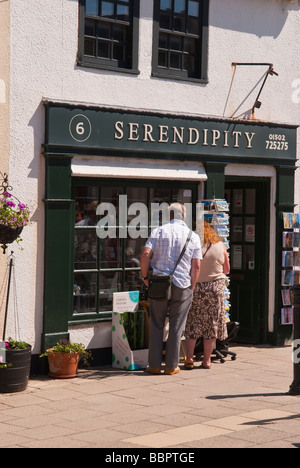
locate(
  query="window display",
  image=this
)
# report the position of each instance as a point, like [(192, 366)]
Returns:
[(103, 266)]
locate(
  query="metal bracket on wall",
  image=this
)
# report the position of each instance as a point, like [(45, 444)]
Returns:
[(270, 71)]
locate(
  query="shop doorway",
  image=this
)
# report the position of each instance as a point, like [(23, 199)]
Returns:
[(249, 256)]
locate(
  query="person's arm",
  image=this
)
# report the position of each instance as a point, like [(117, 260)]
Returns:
[(226, 266), (145, 264), (195, 271)]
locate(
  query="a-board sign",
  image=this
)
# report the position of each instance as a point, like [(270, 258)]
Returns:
[(123, 356)]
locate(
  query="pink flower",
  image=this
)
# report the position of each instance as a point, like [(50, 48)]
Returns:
[(11, 203), (21, 206), (7, 195)]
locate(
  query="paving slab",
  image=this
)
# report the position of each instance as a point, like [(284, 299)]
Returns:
[(239, 404)]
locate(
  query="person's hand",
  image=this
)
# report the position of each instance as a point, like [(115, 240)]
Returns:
[(146, 282)]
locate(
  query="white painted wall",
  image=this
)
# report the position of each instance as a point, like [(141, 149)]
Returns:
[(4, 106), (43, 52)]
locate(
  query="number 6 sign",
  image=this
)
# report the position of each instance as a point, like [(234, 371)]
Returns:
[(80, 128)]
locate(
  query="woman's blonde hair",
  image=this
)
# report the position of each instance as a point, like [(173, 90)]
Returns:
[(210, 236)]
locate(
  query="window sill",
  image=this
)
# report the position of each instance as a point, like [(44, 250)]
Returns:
[(105, 318), (170, 76), (99, 66)]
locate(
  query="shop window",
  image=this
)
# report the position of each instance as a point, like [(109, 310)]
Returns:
[(105, 266), (108, 34), (180, 39)]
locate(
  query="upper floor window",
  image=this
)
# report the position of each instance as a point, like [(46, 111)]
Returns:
[(108, 34), (180, 39)]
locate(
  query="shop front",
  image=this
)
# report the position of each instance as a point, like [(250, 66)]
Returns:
[(97, 156)]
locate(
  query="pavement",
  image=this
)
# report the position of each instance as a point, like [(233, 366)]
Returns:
[(238, 404)]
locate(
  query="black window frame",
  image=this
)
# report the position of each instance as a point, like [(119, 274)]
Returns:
[(133, 42), (201, 54)]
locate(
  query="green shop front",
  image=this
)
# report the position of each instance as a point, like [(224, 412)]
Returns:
[(95, 155)]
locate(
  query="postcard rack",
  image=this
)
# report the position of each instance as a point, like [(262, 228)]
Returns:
[(290, 272), (216, 214)]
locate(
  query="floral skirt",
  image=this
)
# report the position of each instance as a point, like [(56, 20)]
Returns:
[(207, 318)]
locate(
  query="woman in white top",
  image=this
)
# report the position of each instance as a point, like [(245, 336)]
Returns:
[(207, 318)]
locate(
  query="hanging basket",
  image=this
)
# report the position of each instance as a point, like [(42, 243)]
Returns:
[(8, 235)]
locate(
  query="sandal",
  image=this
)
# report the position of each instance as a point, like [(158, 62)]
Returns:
[(189, 364)]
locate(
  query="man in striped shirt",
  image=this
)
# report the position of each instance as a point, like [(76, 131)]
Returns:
[(162, 251)]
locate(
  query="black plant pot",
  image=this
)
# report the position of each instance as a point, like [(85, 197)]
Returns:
[(8, 235), (15, 378)]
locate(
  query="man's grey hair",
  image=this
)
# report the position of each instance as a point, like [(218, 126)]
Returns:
[(177, 211)]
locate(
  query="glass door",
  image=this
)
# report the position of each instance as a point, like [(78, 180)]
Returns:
[(249, 253)]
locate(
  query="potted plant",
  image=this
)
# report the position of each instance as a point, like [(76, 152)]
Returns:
[(64, 358), (14, 215), (15, 371)]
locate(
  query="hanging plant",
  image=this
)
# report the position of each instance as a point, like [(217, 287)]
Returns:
[(14, 216)]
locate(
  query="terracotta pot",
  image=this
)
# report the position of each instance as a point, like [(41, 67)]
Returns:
[(63, 365)]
